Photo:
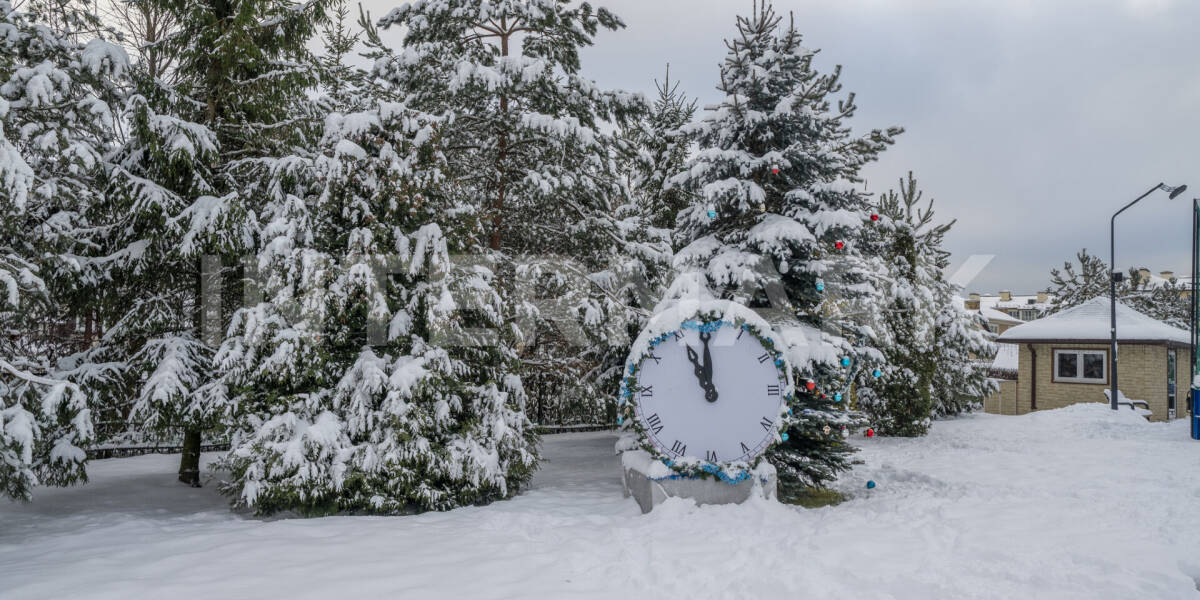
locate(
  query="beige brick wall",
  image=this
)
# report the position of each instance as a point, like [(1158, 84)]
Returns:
[(1004, 401), (1142, 376)]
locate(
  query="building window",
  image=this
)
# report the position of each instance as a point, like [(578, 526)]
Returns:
[(1027, 315), (1081, 366)]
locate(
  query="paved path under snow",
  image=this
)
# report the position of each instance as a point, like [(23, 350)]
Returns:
[(1077, 503)]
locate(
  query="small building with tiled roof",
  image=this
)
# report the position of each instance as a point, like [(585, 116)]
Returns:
[(1063, 359)]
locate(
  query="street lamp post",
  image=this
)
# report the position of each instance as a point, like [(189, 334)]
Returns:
[(1113, 276)]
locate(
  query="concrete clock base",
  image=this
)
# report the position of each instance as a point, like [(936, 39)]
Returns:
[(650, 483)]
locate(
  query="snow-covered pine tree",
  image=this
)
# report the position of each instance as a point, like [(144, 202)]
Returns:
[(1164, 300), (1071, 287), (778, 209), (933, 345), (181, 203), (525, 148), (56, 121), (365, 378)]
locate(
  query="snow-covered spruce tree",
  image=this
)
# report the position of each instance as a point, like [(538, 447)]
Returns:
[(56, 121), (961, 382), (929, 369), (183, 192), (525, 149), (659, 150), (778, 210), (344, 86), (365, 378)]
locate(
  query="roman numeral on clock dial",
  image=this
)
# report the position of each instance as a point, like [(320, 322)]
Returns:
[(762, 358), (647, 391), (772, 390), (679, 448), (655, 423), (711, 456), (745, 448), (767, 424)]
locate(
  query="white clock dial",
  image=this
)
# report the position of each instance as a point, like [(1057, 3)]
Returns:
[(712, 396)]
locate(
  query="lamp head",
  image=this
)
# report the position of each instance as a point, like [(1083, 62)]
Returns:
[(1173, 191)]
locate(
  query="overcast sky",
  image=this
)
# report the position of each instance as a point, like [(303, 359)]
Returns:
[(1028, 121)]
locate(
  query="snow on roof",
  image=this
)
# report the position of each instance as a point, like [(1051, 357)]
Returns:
[(1090, 321), (1155, 281), (1024, 302), (992, 314), (1006, 357)]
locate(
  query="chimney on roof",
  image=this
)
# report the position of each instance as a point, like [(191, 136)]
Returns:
[(1143, 275), (972, 302), (1043, 297), (1167, 274), (1005, 296)]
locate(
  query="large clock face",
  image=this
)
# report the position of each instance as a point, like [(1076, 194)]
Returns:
[(715, 396)]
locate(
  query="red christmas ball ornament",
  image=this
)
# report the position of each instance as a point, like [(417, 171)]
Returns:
[(775, 170), (874, 217), (810, 385), (822, 396), (870, 432), (839, 245)]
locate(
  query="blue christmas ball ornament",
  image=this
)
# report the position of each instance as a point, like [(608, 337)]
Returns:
[(783, 436), (845, 361), (877, 373), (712, 214), (820, 287), (870, 485), (837, 397), (620, 420)]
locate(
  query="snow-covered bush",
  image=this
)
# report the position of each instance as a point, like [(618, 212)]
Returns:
[(368, 379)]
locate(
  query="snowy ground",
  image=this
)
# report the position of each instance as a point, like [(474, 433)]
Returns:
[(1075, 503)]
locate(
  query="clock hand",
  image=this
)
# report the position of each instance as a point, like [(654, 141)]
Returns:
[(703, 372), (710, 391), (697, 368)]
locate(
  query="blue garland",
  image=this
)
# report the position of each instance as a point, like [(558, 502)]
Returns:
[(709, 468)]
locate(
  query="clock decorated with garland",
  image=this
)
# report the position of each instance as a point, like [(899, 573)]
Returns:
[(706, 390)]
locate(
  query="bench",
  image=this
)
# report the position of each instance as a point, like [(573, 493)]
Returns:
[(1123, 400)]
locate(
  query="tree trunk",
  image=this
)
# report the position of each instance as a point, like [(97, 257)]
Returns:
[(189, 462), (501, 159)]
